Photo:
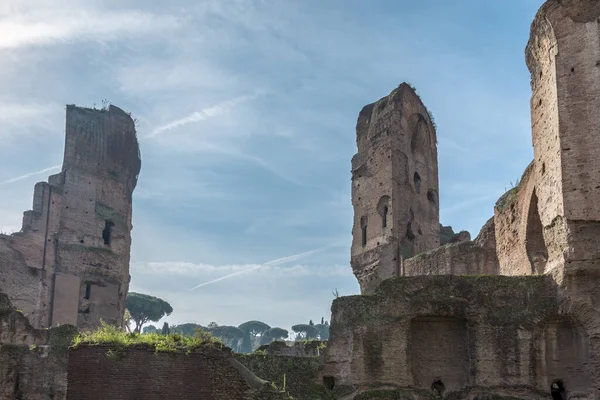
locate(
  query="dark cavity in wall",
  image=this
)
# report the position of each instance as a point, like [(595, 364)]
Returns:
[(534, 241), (329, 382), (363, 228), (106, 233), (417, 179)]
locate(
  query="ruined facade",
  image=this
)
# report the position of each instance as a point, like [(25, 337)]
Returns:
[(69, 264), (515, 311), (394, 186)]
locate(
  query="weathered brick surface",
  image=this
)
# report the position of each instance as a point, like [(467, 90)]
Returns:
[(477, 257), (298, 375), (140, 373), (46, 268), (486, 332), (394, 178)]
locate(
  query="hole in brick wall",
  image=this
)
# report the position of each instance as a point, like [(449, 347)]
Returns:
[(329, 382), (543, 168), (417, 180), (438, 388), (88, 291), (534, 238), (557, 390), (540, 102), (106, 233), (409, 233), (572, 69), (432, 196), (81, 241), (384, 217), (363, 229)]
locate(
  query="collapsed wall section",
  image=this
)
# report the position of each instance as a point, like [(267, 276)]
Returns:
[(69, 264), (493, 333), (476, 257), (394, 186), (95, 373)]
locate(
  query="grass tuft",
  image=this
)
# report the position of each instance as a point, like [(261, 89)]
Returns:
[(118, 339)]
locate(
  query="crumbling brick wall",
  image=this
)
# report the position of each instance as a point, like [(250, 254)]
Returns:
[(496, 333), (70, 262), (394, 186), (141, 373), (476, 257)]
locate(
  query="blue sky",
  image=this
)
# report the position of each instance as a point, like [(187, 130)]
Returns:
[(246, 113)]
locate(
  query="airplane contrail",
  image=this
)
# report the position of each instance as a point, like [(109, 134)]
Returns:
[(18, 178), (272, 263)]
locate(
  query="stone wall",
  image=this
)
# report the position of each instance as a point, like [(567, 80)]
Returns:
[(138, 372), (33, 363), (394, 186), (312, 348), (487, 332), (298, 376), (70, 262), (477, 257)]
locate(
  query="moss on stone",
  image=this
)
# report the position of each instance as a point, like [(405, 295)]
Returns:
[(60, 338), (301, 373)]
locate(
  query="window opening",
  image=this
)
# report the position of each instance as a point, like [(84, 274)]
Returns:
[(363, 228), (106, 233), (88, 291), (384, 217), (417, 180)]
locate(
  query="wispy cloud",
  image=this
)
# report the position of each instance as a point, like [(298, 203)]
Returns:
[(26, 29), (203, 114), (272, 263), (29, 175)]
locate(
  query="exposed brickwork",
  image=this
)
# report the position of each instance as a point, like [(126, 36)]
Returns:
[(506, 335), (394, 186), (301, 374), (140, 373), (77, 234)]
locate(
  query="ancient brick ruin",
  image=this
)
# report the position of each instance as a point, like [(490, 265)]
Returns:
[(69, 264), (516, 311)]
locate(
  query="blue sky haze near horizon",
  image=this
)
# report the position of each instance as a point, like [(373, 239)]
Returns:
[(246, 117)]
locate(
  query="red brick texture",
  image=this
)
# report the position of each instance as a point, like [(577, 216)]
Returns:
[(140, 373)]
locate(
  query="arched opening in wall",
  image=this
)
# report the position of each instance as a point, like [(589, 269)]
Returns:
[(438, 351), (383, 208), (363, 230), (557, 390), (106, 233), (438, 388), (420, 141), (534, 239), (565, 356), (432, 196), (417, 179), (329, 382)]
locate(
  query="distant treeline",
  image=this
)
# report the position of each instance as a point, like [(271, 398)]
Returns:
[(248, 336)]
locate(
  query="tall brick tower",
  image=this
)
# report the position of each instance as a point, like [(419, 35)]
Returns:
[(563, 56), (70, 262), (394, 186)]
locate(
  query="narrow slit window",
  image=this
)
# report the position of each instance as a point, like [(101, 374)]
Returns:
[(88, 291), (363, 228), (384, 217), (417, 180), (106, 233)]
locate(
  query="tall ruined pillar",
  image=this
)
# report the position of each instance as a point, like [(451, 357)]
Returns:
[(563, 56), (394, 187), (70, 262)]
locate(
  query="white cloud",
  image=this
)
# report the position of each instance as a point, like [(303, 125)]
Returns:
[(30, 174), (59, 26), (203, 114)]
